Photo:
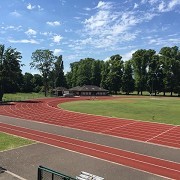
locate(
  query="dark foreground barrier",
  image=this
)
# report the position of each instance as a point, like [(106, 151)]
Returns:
[(49, 174)]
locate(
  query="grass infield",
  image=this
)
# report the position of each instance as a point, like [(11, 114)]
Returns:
[(163, 110), (8, 142)]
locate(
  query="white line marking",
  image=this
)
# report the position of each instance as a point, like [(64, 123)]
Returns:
[(106, 160), (99, 133), (90, 143), (160, 134), (15, 175)]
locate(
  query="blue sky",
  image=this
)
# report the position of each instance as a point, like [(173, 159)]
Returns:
[(88, 28)]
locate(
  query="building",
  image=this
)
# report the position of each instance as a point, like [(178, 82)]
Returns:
[(88, 90), (59, 91)]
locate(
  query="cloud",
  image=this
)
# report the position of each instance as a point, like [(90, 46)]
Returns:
[(87, 9), (24, 41), (15, 13), (15, 28), (55, 23), (57, 52), (135, 5), (30, 7), (57, 38), (165, 7), (128, 55), (30, 32), (104, 5)]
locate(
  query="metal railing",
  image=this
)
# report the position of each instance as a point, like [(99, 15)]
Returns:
[(49, 174)]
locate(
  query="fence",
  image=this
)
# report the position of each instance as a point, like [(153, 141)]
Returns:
[(49, 174)]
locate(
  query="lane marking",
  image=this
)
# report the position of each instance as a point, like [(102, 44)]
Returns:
[(160, 134), (108, 160)]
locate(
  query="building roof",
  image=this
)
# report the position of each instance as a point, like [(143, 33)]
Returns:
[(88, 88), (60, 89)]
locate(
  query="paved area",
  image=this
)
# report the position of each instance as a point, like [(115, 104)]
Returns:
[(25, 161)]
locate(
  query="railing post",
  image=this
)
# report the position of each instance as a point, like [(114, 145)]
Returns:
[(39, 174)]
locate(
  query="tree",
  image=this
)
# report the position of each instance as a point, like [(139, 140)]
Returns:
[(28, 82), (140, 60), (96, 68), (127, 78), (43, 60), (60, 80), (170, 59), (37, 82), (10, 70), (114, 77), (2, 49), (104, 75)]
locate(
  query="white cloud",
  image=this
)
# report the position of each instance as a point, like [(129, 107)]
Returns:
[(55, 23), (25, 41), (15, 13), (87, 9), (57, 38), (15, 28), (104, 5), (30, 7), (135, 5), (57, 52), (165, 7), (128, 55), (30, 32)]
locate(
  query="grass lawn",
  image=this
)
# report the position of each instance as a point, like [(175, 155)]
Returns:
[(10, 142), (22, 96), (163, 110)]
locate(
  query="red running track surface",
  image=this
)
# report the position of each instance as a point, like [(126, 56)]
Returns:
[(46, 110), (146, 163)]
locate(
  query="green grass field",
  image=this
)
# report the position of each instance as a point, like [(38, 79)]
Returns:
[(22, 96), (163, 110), (8, 142)]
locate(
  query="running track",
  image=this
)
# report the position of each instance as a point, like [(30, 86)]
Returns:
[(45, 110)]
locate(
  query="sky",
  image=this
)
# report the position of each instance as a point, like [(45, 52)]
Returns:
[(78, 29)]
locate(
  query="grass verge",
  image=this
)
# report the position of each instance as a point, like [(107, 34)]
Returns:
[(8, 142), (163, 110)]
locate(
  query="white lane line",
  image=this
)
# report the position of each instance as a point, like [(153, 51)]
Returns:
[(160, 134), (88, 143), (107, 160), (15, 175)]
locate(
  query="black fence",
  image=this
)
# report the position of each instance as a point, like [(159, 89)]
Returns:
[(49, 174)]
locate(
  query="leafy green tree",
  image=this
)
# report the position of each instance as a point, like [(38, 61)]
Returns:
[(114, 77), (140, 60), (127, 78), (43, 60), (96, 68), (60, 80), (104, 74), (2, 49), (10, 70), (28, 82), (37, 82), (170, 59)]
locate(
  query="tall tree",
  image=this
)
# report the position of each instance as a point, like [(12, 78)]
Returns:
[(114, 76), (37, 82), (127, 78), (11, 76), (43, 60), (141, 59), (2, 49), (104, 74), (60, 80), (28, 82), (96, 68), (170, 59)]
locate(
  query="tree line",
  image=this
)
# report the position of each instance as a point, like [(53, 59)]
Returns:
[(147, 70)]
